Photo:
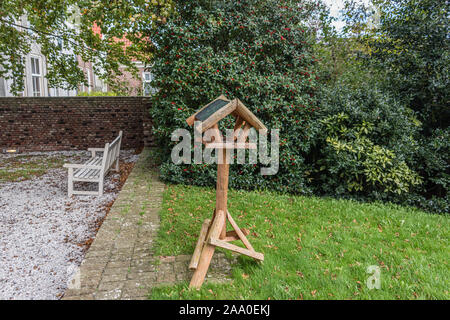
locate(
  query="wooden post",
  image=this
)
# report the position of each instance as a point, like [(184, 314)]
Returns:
[(222, 187), (208, 251)]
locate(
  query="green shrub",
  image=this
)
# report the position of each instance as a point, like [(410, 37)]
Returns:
[(257, 51), (365, 145), (373, 166), (432, 163)]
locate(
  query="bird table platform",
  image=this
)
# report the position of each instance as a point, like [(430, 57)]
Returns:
[(213, 232)]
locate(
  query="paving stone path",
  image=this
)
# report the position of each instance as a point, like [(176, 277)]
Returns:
[(120, 264)]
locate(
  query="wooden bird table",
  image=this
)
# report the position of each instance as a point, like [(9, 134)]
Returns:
[(213, 232)]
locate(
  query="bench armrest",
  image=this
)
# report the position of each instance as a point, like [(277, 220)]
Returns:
[(81, 166), (94, 150)]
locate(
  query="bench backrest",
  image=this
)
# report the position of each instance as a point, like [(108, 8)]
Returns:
[(111, 153)]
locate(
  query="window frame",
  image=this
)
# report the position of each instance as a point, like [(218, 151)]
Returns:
[(145, 82), (36, 77)]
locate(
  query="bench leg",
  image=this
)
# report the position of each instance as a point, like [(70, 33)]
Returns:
[(117, 169), (100, 187), (70, 183)]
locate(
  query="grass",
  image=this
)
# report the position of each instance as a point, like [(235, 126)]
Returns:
[(314, 248), (26, 167)]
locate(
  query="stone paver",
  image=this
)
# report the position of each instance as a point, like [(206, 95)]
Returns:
[(120, 263)]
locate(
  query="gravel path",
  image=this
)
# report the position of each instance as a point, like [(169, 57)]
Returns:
[(43, 232)]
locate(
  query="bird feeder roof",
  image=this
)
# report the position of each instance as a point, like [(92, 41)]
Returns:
[(221, 107)]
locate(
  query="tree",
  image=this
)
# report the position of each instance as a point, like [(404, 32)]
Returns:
[(52, 23), (257, 51), (408, 47)]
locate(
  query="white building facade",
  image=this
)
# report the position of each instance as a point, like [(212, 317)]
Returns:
[(35, 70), (36, 84)]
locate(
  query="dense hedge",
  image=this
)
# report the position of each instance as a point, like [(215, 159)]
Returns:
[(378, 131), (410, 50), (257, 51)]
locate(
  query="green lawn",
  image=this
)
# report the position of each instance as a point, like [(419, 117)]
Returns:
[(25, 167), (314, 248)]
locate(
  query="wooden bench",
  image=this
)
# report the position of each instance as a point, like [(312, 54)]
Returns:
[(96, 168)]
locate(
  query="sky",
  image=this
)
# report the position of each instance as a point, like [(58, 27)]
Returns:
[(335, 6)]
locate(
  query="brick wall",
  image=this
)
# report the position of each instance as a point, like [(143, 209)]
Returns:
[(73, 123)]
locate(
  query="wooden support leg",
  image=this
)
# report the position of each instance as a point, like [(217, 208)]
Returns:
[(239, 233), (100, 186), (208, 251), (70, 183), (226, 245), (200, 244)]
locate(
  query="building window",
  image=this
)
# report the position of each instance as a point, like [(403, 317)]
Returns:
[(59, 43), (36, 76), (88, 75), (147, 79), (2, 87)]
